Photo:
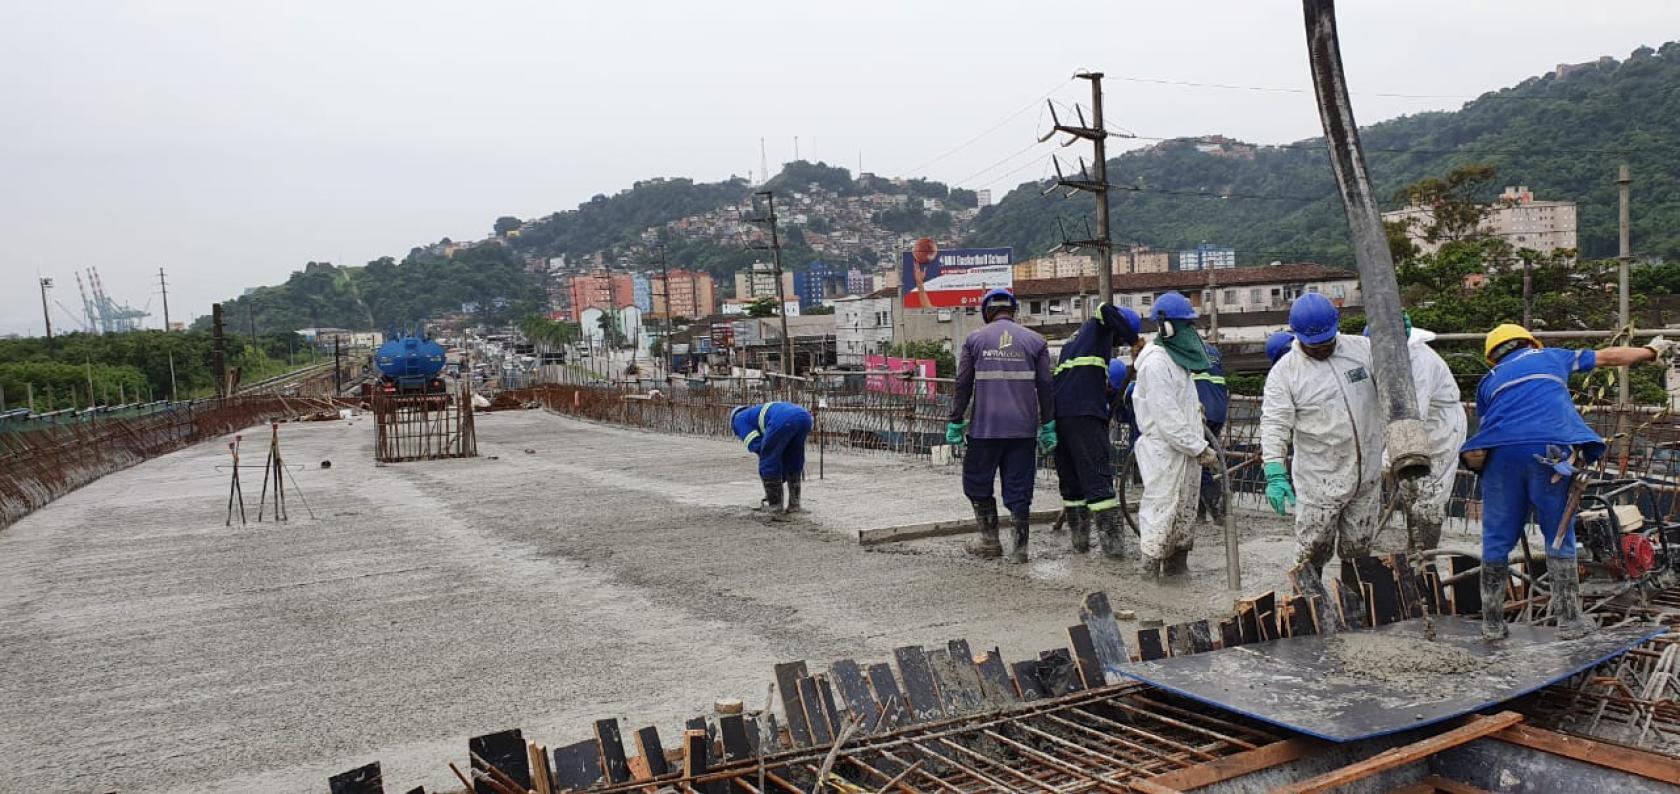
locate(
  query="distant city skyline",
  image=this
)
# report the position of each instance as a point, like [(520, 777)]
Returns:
[(230, 144)]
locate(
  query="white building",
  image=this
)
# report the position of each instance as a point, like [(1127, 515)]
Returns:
[(863, 326), (1235, 290), (1207, 257), (1543, 226)]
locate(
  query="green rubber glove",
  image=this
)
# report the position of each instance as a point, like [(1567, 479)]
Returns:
[(956, 433), (1047, 436), (1278, 489)]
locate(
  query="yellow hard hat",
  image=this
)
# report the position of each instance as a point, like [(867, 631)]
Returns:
[(1502, 334)]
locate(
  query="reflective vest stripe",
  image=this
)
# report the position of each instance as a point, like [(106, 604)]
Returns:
[(1005, 374), (1526, 378), (1081, 361), (1106, 504), (1217, 380), (762, 412)]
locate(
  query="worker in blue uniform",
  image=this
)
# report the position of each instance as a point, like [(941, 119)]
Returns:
[(776, 433), (1004, 372), (1084, 456), (1120, 386), (1530, 431), (1278, 344), (1216, 404)]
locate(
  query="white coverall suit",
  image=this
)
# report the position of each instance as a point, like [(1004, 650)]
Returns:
[(1329, 410), (1169, 419), (1442, 411)]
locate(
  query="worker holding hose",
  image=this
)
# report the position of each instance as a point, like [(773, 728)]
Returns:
[(1531, 436), (1172, 443), (776, 433), (1320, 398), (1084, 456), (1424, 499)]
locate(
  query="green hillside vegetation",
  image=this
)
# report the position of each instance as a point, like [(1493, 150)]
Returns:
[(133, 366), (1562, 137)]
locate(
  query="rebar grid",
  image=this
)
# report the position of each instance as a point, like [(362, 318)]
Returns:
[(412, 427)]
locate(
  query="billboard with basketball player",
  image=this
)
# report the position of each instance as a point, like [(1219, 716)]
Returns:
[(953, 278)]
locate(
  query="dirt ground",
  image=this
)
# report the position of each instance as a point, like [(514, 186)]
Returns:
[(604, 573)]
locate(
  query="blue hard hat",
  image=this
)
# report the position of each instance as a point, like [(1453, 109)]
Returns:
[(1117, 374), (1123, 320), (998, 298), (1278, 344), (1314, 319), (1172, 306), (737, 412)]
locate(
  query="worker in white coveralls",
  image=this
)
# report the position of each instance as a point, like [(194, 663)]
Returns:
[(1424, 499), (1321, 397), (1171, 447)]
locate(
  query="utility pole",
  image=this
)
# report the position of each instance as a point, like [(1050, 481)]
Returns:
[(46, 284), (665, 286), (1622, 254), (1528, 293), (1213, 306), (174, 395), (338, 369), (164, 285), (218, 349), (1092, 183), (769, 219)]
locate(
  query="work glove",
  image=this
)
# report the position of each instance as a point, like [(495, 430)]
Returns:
[(956, 433), (1278, 489), (1208, 459), (1047, 436), (1663, 348)]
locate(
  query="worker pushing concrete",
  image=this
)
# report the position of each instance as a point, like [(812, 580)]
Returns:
[(1424, 499), (776, 433), (1530, 440), (1084, 454), (1171, 443), (1005, 373), (1321, 398)]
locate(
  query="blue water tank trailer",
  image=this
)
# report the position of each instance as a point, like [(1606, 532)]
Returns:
[(410, 364)]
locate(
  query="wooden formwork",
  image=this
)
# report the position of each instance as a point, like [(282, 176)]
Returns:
[(410, 427)]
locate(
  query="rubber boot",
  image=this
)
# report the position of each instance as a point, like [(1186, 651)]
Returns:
[(1566, 599), (1109, 533), (1176, 563), (1495, 580), (793, 494), (772, 504), (985, 544), (1023, 529), (1079, 528)]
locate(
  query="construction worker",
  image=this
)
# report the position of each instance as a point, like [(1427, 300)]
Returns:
[(1216, 404), (1321, 398), (776, 433), (1084, 455), (1424, 499), (1171, 443), (1278, 344), (1531, 434), (1005, 372)]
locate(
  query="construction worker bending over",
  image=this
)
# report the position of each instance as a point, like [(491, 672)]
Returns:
[(1005, 372), (1084, 455), (1320, 397), (1529, 429), (1171, 444), (1442, 410), (1216, 404), (776, 433), (1278, 344)]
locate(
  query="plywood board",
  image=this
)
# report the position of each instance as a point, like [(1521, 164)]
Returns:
[(1327, 685), (918, 683), (787, 683), (504, 750)]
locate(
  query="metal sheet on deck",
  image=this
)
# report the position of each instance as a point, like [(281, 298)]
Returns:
[(1302, 684)]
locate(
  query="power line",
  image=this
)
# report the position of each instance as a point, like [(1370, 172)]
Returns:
[(1318, 147), (918, 170), (1289, 90)]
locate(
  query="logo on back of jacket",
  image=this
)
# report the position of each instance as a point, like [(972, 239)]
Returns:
[(1002, 351)]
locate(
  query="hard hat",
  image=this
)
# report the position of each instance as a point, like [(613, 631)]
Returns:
[(1172, 306), (1314, 319), (1278, 344), (1123, 320), (1501, 337), (1117, 374), (737, 412), (998, 298)]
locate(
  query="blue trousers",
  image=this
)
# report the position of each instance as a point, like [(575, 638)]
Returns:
[(1011, 458), (782, 456), (1513, 485), (1085, 463)]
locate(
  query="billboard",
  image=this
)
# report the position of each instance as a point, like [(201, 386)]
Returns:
[(954, 278), (888, 384)]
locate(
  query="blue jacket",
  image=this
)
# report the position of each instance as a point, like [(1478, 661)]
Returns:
[(1210, 388), (1081, 373), (1525, 400), (759, 421), (1005, 372)]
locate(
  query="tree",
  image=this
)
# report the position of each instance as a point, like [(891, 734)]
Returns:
[(945, 364), (1453, 206), (507, 223), (817, 310), (612, 331), (763, 307)]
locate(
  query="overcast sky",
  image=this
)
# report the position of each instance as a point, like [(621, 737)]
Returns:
[(230, 142)]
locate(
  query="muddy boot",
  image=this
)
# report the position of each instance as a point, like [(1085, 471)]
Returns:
[(1023, 528), (1566, 599), (1109, 533), (1149, 567), (1495, 580), (793, 495), (1426, 536), (772, 504), (1079, 528), (986, 544), (1176, 563)]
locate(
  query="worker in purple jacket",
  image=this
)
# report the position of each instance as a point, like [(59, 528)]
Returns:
[(1005, 371)]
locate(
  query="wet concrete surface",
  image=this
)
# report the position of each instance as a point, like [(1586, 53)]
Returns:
[(609, 573)]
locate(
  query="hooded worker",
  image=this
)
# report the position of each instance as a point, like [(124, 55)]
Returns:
[(1171, 445), (1321, 398), (776, 433), (1278, 344), (1084, 456), (1424, 499), (1005, 372), (1531, 434)]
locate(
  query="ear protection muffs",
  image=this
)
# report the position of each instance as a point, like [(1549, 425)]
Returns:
[(1167, 327)]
